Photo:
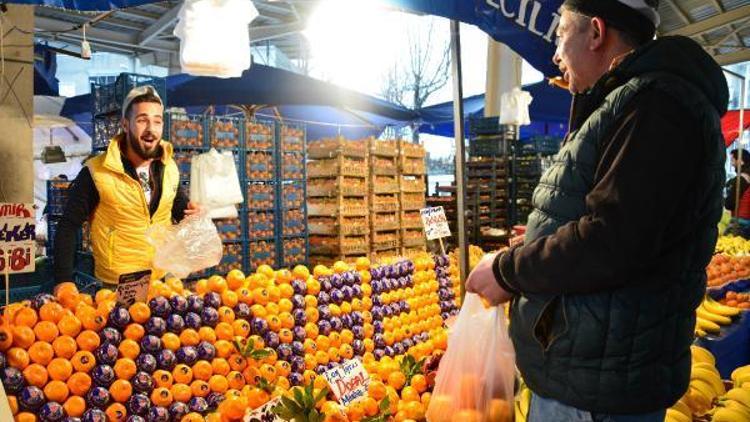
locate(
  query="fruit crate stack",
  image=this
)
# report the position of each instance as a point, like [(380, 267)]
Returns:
[(107, 104), (337, 199), (385, 217), (261, 193), (529, 161), (292, 158), (412, 191)]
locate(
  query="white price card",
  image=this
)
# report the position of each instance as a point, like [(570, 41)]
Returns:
[(264, 413), (17, 238), (435, 223), (348, 381), (133, 287)]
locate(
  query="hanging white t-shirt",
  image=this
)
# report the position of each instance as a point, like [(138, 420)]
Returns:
[(144, 176)]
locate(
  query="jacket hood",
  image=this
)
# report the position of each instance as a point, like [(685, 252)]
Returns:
[(682, 57)]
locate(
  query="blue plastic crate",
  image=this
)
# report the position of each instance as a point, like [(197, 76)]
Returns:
[(260, 196), (260, 135), (19, 294), (292, 137), (295, 251), (57, 196), (226, 132), (87, 283), (108, 98), (185, 130), (293, 195), (105, 128)]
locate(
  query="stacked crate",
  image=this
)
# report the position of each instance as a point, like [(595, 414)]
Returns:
[(337, 199), (412, 191), (261, 193), (529, 161), (293, 248), (385, 217)]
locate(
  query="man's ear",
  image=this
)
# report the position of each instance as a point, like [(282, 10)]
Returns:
[(124, 123), (599, 33)]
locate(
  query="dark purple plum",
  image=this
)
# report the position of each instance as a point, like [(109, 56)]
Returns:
[(150, 344), (166, 360), (193, 320), (177, 410), (324, 327), (198, 404), (210, 316), (195, 304), (298, 364), (399, 349), (284, 352), (94, 415), (175, 323), (212, 300), (324, 312), (378, 353), (299, 316), (119, 318), (298, 301), (160, 306), (158, 414), (259, 326), (336, 324), (187, 355), (323, 298), (139, 404), (271, 339), (146, 362), (103, 375), (379, 340), (3, 361), (98, 397), (110, 335), (31, 398), (299, 286), (336, 296), (297, 348), (136, 418), (51, 412), (156, 326), (348, 278), (13, 380), (178, 304), (106, 354), (326, 285), (347, 320), (214, 399), (295, 379), (41, 299), (320, 369), (359, 347), (242, 311), (337, 281), (299, 333), (359, 332), (206, 351), (378, 326), (356, 291), (389, 351)]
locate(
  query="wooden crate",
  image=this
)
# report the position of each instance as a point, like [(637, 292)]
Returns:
[(386, 148), (330, 148), (339, 165)]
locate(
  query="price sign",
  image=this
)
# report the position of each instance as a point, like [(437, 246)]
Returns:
[(264, 413), (348, 381), (435, 223), (17, 238), (133, 287)]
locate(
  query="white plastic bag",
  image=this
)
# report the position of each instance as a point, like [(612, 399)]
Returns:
[(214, 37), (476, 375), (214, 182), (190, 246), (514, 108)]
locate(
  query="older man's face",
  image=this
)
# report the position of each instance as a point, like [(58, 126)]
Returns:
[(575, 56)]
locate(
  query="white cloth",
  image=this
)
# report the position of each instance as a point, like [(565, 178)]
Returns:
[(214, 183), (514, 107)]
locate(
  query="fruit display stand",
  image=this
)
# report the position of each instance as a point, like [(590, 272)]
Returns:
[(293, 248), (413, 188), (337, 199), (385, 220)]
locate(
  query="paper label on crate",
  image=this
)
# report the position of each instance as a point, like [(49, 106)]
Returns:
[(348, 381), (133, 287), (435, 223), (17, 238), (264, 413)]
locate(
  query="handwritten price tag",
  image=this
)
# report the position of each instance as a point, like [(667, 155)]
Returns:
[(133, 287), (264, 413), (17, 238), (435, 223), (348, 381)]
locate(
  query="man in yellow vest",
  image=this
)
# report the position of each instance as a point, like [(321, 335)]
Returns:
[(123, 192)]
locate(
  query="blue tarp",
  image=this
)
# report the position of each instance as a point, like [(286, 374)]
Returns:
[(548, 111), (526, 26), (45, 67), (85, 5)]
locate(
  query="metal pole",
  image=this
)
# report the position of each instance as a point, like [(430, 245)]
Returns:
[(740, 147), (458, 130)]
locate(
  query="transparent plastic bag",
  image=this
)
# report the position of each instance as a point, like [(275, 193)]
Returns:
[(514, 108), (476, 375), (190, 246)]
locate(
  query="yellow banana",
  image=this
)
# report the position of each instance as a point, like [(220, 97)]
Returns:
[(726, 414), (720, 309), (700, 401), (740, 373), (705, 388), (745, 385), (701, 312), (711, 378), (706, 325), (682, 407), (676, 416), (700, 333), (739, 395), (702, 355)]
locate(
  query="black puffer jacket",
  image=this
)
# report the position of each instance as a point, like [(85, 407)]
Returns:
[(613, 264)]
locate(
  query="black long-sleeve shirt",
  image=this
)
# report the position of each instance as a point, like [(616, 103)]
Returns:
[(632, 220), (83, 199)]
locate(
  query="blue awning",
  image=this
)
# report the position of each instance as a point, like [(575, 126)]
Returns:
[(548, 111), (45, 67), (85, 5), (526, 26)]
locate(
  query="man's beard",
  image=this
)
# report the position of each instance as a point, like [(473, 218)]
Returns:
[(140, 151)]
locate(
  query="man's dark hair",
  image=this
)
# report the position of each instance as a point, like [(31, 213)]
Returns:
[(745, 156), (145, 98)]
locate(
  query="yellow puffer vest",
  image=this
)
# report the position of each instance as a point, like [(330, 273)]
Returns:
[(120, 221)]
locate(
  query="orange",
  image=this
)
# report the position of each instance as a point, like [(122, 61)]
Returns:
[(220, 366), (200, 388), (257, 397), (313, 286), (224, 348), (182, 374), (268, 372), (335, 339), (355, 412), (346, 351), (347, 337), (36, 375), (129, 349), (60, 369), (310, 361), (245, 296), (91, 320), (207, 334), (18, 358), (217, 284), (377, 391), (51, 311), (75, 406), (13, 404), (285, 305), (426, 399), (241, 328), (79, 383), (134, 331), (419, 382), (41, 352), (125, 368), (121, 390), (230, 298), (226, 314), (258, 311), (236, 380), (26, 417), (218, 384), (105, 308), (6, 338), (237, 362), (283, 368), (234, 408), (26, 317), (286, 336), (322, 357), (65, 347), (189, 337), (409, 394), (414, 410), (311, 330), (312, 315), (274, 323), (286, 291), (260, 296), (161, 397), (370, 407), (192, 417), (88, 340), (202, 370), (116, 412), (311, 301), (83, 361), (323, 342), (139, 312), (69, 325), (235, 279), (163, 379), (201, 287), (56, 391), (334, 355), (23, 336), (251, 375), (181, 392)]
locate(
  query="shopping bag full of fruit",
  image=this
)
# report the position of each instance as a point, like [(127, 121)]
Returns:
[(476, 375)]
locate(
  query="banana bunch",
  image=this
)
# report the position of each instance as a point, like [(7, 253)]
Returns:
[(705, 386), (522, 403), (711, 315), (733, 245), (734, 406), (741, 377)]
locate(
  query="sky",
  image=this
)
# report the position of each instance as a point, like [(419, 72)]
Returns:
[(355, 44)]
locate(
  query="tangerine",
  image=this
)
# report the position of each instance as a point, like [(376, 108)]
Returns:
[(26, 317), (220, 366), (236, 380), (6, 338), (192, 417), (18, 358), (36, 375), (224, 348), (226, 314), (129, 349), (202, 370), (200, 388), (41, 352), (230, 298), (65, 347), (91, 320), (60, 369), (235, 279), (134, 331), (51, 311), (26, 417), (75, 406), (189, 337), (162, 397), (181, 392), (83, 361), (23, 336), (207, 334), (116, 412), (218, 384), (125, 368), (257, 397), (217, 284), (56, 391), (79, 383), (163, 379), (182, 374), (121, 390), (69, 325), (88, 340), (241, 328)]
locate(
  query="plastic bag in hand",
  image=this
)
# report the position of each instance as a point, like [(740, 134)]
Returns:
[(477, 373), (190, 246)]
